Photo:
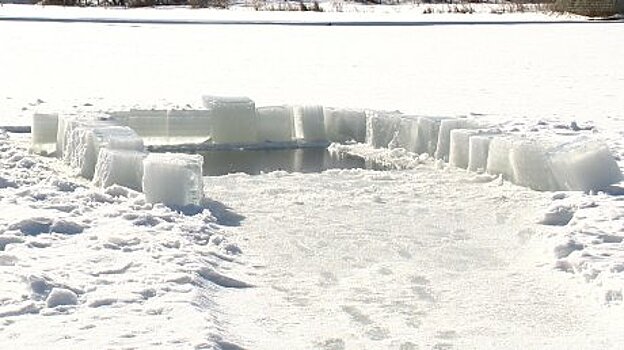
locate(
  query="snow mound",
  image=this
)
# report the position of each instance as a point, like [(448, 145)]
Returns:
[(119, 167), (233, 119), (344, 125), (44, 128), (275, 124), (309, 124), (173, 179)]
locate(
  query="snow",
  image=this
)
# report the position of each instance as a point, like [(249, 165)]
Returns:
[(233, 120), (309, 124), (44, 128), (344, 125), (119, 167), (173, 179), (275, 124), (61, 296)]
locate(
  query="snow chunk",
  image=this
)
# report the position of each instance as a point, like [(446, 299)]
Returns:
[(557, 215), (381, 128), (66, 227), (309, 124), (275, 124), (61, 296), (43, 132), (119, 167), (233, 120), (343, 125), (173, 179), (444, 135), (33, 226), (584, 165)]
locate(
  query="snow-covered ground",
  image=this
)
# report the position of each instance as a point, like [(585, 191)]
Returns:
[(423, 257)]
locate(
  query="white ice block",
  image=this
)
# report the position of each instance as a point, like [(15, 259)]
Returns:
[(444, 135), (498, 161), (407, 134), (86, 141), (150, 124), (531, 165), (119, 167), (478, 149), (381, 128), (190, 126), (584, 165), (309, 124), (233, 120), (68, 122), (343, 125), (459, 153), (173, 179), (43, 132), (275, 124), (428, 130)]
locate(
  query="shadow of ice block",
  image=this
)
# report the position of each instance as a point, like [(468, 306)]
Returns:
[(444, 135), (407, 134), (119, 167), (531, 165), (344, 125), (459, 154), (86, 141), (233, 120), (173, 179), (381, 128), (583, 165), (43, 133), (150, 124), (275, 124), (189, 126), (309, 122), (498, 161)]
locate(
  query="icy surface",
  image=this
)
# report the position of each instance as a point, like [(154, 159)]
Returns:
[(343, 125), (119, 167), (44, 128), (275, 124), (173, 179), (233, 119), (309, 124)]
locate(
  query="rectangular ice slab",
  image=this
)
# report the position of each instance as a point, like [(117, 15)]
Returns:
[(343, 125), (460, 147), (444, 135), (428, 130), (407, 134), (309, 124), (68, 122), (233, 120), (478, 150), (86, 141), (381, 128), (275, 124), (173, 179), (584, 165), (531, 166), (150, 124), (119, 167), (499, 162), (189, 126), (43, 132)]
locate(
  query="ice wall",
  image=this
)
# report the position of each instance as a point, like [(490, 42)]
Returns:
[(478, 150), (407, 134), (309, 124), (119, 167), (43, 132), (190, 126), (459, 154), (173, 179), (381, 128), (150, 124), (343, 125), (428, 131), (275, 124), (233, 120)]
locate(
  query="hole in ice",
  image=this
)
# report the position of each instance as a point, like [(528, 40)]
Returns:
[(254, 162)]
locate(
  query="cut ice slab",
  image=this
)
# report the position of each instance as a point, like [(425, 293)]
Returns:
[(43, 132), (189, 126), (407, 134), (444, 135), (381, 128), (173, 179), (275, 124), (68, 122), (498, 161), (478, 150), (460, 147), (119, 167), (309, 124), (150, 124), (531, 166), (343, 125), (584, 165), (233, 120), (428, 131), (86, 141)]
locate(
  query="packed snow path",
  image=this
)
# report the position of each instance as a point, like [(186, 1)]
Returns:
[(417, 259)]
